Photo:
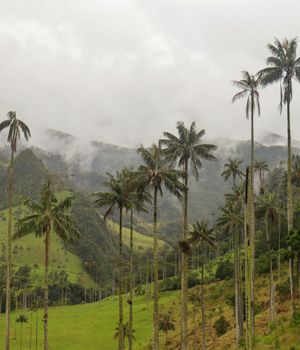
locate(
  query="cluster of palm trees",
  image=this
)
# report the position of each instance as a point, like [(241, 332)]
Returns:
[(283, 67), (166, 165)]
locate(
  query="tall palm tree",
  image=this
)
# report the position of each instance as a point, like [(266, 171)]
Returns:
[(188, 149), (232, 169), (120, 195), (261, 166), (166, 324), (269, 208), (129, 334), (16, 128), (47, 215), (283, 66), (248, 86), (153, 174), (204, 236), (195, 299), (295, 175), (231, 221)]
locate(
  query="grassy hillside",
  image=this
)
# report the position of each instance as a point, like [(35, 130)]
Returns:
[(140, 241), (92, 325), (30, 251)]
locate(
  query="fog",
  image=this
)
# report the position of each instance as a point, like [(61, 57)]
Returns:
[(125, 71)]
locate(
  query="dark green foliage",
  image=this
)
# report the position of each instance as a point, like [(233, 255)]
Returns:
[(283, 290), (170, 283), (221, 326), (139, 290), (224, 270)]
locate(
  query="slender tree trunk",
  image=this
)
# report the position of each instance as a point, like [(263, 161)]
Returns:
[(30, 336), (252, 224), (298, 273), (202, 302), (271, 287), (279, 254), (46, 298), (238, 323), (21, 338), (155, 276), (36, 329), (184, 268), (121, 328), (8, 254), (195, 331), (130, 324), (290, 211)]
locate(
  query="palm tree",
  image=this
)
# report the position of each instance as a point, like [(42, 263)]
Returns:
[(295, 175), (203, 236), (155, 173), (48, 214), (166, 324), (232, 168), (249, 85), (121, 196), (16, 128), (269, 208), (21, 319), (189, 150), (284, 67), (261, 166), (231, 221), (127, 333)]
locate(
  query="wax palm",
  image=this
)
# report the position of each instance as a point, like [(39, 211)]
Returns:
[(139, 200), (166, 324), (195, 299), (249, 85), (189, 150), (268, 208), (16, 128), (284, 68), (231, 222), (204, 236), (127, 333), (21, 319), (296, 170), (155, 173), (261, 166), (46, 215), (120, 195), (232, 169)]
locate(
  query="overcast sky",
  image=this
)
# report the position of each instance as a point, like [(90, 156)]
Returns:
[(123, 71)]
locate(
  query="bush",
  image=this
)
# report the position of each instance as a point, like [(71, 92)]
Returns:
[(221, 326), (224, 270), (139, 290), (170, 283), (283, 290)]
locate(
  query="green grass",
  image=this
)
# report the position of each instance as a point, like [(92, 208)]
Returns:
[(89, 326), (30, 251), (140, 241)]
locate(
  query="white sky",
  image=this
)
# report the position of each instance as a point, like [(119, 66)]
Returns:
[(124, 71)]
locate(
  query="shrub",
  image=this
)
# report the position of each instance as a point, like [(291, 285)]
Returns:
[(139, 290), (283, 290), (224, 270), (221, 326)]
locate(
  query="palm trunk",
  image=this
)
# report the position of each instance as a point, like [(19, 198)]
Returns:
[(36, 329), (46, 300), (290, 204), (21, 339), (130, 324), (298, 273), (195, 331), (271, 287), (279, 248), (202, 302), (240, 289), (184, 268), (155, 276), (8, 254), (30, 336), (252, 226), (121, 328), (238, 323)]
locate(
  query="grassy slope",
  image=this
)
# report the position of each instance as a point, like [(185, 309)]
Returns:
[(30, 250), (89, 326), (140, 240)]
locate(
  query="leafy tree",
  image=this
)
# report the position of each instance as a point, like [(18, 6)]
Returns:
[(166, 324), (202, 235), (48, 214), (120, 195), (188, 149), (232, 169), (249, 85), (16, 128), (155, 173), (283, 66)]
